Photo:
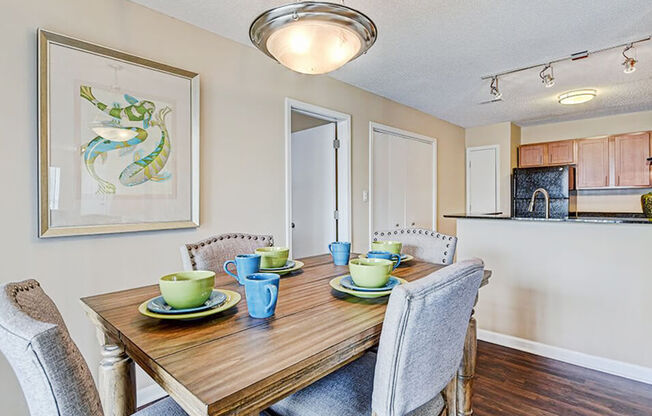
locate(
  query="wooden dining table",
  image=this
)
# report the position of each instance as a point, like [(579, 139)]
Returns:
[(232, 364)]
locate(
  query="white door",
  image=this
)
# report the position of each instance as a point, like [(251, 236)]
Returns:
[(482, 179), (402, 182), (313, 190)]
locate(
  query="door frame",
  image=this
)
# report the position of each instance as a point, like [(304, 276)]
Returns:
[(468, 174), (382, 128), (343, 122)]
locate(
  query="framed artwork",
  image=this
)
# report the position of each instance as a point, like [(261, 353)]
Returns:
[(118, 141)]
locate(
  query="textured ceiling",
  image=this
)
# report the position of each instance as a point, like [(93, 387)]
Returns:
[(431, 54)]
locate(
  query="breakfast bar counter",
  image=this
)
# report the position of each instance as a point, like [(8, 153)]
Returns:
[(233, 364)]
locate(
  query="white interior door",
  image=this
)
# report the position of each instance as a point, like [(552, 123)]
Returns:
[(482, 179), (313, 190), (402, 182)]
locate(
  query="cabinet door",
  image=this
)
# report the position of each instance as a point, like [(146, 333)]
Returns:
[(593, 163), (561, 153), (418, 187), (631, 165), (531, 155), (389, 175)]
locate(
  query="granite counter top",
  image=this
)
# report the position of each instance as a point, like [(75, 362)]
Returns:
[(586, 217)]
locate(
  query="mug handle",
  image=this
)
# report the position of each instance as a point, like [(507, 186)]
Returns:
[(273, 293), (226, 269), (330, 248), (398, 260)]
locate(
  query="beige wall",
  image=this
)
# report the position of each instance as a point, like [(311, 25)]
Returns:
[(581, 287), (507, 136), (628, 200), (242, 155)]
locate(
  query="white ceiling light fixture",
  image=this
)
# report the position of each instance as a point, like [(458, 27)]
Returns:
[(577, 96), (313, 37), (629, 63), (493, 89), (548, 79)]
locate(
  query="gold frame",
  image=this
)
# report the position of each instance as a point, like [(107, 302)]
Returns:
[(45, 39)]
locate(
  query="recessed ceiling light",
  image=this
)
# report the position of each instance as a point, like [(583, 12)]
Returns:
[(313, 37), (577, 96)]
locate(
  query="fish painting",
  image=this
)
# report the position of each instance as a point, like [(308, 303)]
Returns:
[(143, 168)]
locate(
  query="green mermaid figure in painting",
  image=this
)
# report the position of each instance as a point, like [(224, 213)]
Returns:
[(142, 169)]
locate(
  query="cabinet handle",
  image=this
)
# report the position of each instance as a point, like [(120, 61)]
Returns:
[(397, 225), (413, 224), (606, 180)]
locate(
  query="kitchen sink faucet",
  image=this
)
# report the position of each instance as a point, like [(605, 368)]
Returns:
[(545, 195)]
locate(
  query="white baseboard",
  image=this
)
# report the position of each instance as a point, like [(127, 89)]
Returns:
[(149, 394), (606, 365)]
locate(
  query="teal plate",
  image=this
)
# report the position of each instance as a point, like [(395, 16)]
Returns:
[(158, 305), (290, 264), (348, 283)]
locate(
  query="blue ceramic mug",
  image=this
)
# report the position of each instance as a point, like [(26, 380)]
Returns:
[(385, 255), (341, 251), (261, 290), (245, 264)]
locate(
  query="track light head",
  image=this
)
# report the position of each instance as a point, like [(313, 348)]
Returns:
[(548, 79), (629, 62), (493, 88)]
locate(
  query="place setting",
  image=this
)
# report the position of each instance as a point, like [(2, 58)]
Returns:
[(389, 250), (369, 276)]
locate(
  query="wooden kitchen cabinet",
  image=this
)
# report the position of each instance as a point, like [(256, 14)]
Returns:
[(531, 155), (631, 167), (593, 163), (561, 152)]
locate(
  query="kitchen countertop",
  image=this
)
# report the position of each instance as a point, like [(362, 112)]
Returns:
[(587, 217)]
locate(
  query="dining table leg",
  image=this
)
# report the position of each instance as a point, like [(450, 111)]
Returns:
[(117, 378), (466, 372)]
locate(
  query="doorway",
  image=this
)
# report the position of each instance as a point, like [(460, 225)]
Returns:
[(482, 180), (403, 179), (318, 186)]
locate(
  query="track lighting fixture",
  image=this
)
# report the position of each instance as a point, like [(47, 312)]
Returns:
[(493, 89), (547, 79), (629, 62)]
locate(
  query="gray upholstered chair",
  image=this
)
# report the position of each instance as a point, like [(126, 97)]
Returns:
[(420, 350), (52, 372), (212, 252), (426, 245)]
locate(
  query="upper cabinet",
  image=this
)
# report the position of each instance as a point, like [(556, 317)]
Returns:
[(618, 161), (593, 163), (531, 155), (562, 152), (547, 154), (630, 159)]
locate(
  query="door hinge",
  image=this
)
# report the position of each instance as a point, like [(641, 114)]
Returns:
[(336, 214), (336, 144)]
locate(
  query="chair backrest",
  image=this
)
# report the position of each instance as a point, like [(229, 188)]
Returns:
[(212, 252), (52, 372), (422, 340), (426, 245)]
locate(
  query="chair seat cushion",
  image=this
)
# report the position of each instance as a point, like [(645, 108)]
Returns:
[(165, 407), (346, 392)]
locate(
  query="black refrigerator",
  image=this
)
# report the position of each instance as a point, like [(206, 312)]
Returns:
[(559, 181)]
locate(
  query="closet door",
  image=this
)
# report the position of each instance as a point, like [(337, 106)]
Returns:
[(419, 184)]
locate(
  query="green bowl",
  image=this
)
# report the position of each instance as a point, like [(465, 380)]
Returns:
[(272, 257), (393, 247), (370, 272), (187, 289)]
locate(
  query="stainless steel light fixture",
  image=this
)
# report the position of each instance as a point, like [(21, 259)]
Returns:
[(629, 62), (547, 79), (313, 37), (493, 89)]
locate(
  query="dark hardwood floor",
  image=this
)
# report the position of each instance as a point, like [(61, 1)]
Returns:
[(515, 383)]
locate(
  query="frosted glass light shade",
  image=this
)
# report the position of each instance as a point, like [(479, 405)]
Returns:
[(577, 96), (313, 47), (313, 37)]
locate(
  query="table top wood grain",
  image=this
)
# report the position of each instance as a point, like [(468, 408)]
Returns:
[(234, 364)]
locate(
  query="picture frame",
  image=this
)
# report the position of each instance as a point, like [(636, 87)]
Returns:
[(118, 141)]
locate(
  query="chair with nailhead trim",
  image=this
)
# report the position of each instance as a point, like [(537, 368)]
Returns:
[(212, 252), (54, 377), (426, 245)]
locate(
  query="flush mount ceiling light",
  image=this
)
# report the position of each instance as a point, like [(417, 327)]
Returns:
[(547, 79), (577, 96), (313, 37), (629, 62)]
